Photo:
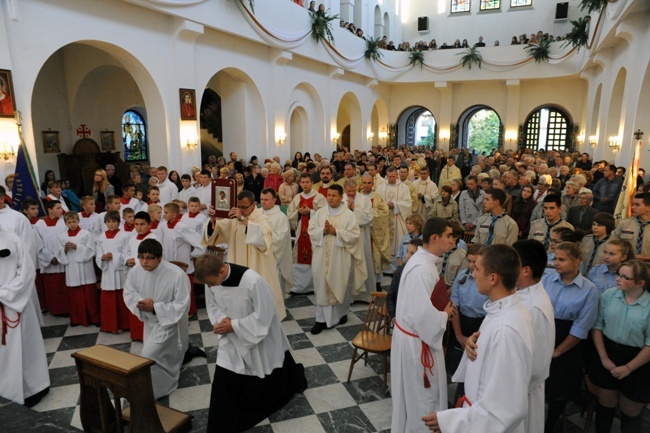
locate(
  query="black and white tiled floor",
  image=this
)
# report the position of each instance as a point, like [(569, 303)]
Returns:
[(328, 405)]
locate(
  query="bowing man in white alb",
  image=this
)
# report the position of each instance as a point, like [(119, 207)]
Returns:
[(24, 377), (255, 373), (496, 383), (532, 294), (337, 261), (281, 237), (418, 376), (362, 208), (158, 293)]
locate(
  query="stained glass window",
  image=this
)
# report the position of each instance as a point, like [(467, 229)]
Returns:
[(488, 5), (459, 6), (518, 3), (134, 137)]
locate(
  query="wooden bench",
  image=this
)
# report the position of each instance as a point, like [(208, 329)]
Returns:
[(128, 377)]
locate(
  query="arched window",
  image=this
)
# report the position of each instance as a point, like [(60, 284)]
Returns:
[(547, 128), (479, 128), (134, 137), (418, 126)]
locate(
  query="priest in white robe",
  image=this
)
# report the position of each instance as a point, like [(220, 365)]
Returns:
[(338, 261), (398, 198), (426, 192), (249, 237), (24, 377), (281, 237), (362, 209), (158, 293), (300, 210), (418, 376), (379, 231), (255, 373), (496, 383)]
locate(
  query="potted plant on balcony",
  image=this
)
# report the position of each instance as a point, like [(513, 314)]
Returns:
[(471, 56), (541, 51), (416, 57), (592, 5), (579, 34), (321, 25), (372, 52)]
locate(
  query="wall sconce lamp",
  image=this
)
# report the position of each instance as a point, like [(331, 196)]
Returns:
[(383, 136), (444, 136), (581, 139), (593, 141), (615, 143), (281, 138), (335, 138), (511, 136), (192, 143), (7, 152), (371, 137)]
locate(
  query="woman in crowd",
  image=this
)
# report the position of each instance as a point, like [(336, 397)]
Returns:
[(620, 367), (522, 209), (616, 252), (575, 303), (593, 245), (288, 188), (175, 179), (297, 159), (445, 206), (101, 189), (274, 178), (49, 177), (570, 195)]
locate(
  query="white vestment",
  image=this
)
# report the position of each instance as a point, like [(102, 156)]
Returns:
[(195, 221), (429, 190), (249, 246), (496, 383), (113, 271), (131, 249), (416, 315), (363, 212), (166, 331), (303, 278), (133, 204), (400, 196), (24, 364), (205, 195), (79, 267), (257, 344), (168, 192), (281, 246), (93, 222), (48, 245), (186, 194), (337, 262), (541, 310), (181, 243)]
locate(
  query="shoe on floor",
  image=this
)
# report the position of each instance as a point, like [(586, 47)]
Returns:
[(343, 320), (318, 328)]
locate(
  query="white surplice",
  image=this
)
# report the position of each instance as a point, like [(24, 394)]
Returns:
[(180, 243), (257, 344), (166, 331), (168, 192), (131, 248), (113, 271), (496, 383), (429, 190), (251, 246), (24, 364), (281, 246), (337, 262), (48, 245), (416, 315), (536, 300), (363, 212), (79, 267), (92, 222), (400, 196), (195, 221)]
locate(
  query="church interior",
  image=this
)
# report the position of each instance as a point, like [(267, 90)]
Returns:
[(263, 86)]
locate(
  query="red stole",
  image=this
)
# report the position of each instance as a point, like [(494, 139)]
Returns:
[(74, 232), (141, 237), (304, 242), (192, 215), (50, 222), (172, 224), (125, 200), (34, 220), (128, 227), (85, 215), (154, 224), (323, 190)]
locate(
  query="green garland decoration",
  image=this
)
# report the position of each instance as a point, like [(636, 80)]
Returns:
[(321, 26), (372, 52), (592, 5), (540, 51), (579, 34), (416, 57)]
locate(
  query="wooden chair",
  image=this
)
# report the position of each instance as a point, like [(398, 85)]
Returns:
[(127, 376), (375, 335), (468, 235)]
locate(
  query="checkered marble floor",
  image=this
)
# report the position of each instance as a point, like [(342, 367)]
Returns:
[(328, 405)]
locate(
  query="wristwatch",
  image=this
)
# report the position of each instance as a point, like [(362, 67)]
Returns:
[(241, 219)]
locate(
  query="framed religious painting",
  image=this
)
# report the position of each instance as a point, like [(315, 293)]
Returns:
[(224, 196), (108, 140), (51, 142), (7, 100), (188, 104)]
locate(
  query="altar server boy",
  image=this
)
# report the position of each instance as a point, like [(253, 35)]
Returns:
[(76, 252), (48, 230), (89, 219), (109, 258)]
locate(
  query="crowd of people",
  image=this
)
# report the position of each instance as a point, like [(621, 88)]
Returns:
[(543, 286)]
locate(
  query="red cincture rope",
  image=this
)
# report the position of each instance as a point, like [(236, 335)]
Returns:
[(462, 400), (7, 323), (426, 357)]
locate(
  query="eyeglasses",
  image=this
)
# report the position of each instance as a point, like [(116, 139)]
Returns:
[(619, 275), (554, 241), (245, 207), (145, 257)]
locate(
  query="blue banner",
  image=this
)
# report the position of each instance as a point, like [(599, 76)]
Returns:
[(25, 185)]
